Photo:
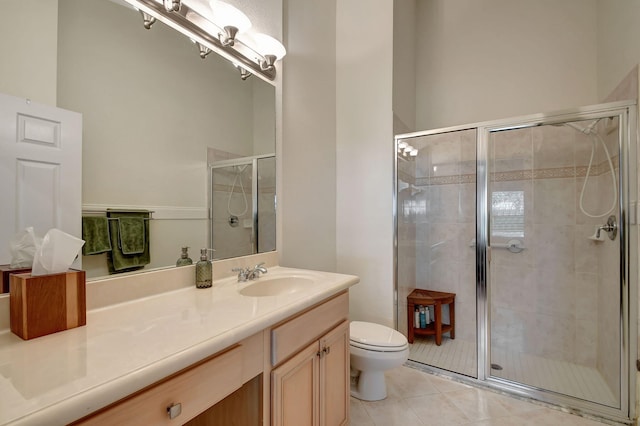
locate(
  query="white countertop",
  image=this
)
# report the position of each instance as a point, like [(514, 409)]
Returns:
[(124, 347)]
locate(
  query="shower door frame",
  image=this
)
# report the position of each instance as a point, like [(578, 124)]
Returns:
[(629, 215)]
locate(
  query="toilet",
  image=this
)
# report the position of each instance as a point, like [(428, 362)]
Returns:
[(374, 349)]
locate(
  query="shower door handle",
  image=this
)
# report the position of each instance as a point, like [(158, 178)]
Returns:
[(514, 246)]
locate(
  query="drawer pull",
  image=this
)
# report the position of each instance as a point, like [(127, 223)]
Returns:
[(326, 350), (174, 410)]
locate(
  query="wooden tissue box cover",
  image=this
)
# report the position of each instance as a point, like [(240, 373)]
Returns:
[(6, 273), (47, 304)]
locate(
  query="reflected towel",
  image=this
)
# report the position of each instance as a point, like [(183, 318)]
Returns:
[(117, 261), (95, 233), (131, 238)]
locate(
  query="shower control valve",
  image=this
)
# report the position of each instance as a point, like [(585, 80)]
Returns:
[(611, 228)]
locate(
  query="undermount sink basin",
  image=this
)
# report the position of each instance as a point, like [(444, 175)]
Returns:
[(276, 286)]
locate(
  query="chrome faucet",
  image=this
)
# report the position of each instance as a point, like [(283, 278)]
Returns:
[(248, 273), (257, 270)]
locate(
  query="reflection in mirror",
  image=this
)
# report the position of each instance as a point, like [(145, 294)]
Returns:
[(152, 111), (243, 206)]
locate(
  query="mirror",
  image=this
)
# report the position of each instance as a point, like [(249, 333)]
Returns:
[(155, 114)]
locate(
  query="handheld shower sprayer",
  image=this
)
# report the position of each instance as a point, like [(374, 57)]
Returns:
[(595, 139)]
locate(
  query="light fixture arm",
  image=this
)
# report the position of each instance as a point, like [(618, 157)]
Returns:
[(228, 38), (204, 50), (268, 63), (244, 74), (147, 20)]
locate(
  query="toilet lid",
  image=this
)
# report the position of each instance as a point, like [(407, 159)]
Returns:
[(369, 335)]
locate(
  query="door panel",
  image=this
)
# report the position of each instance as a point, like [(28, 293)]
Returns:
[(40, 170), (334, 371), (554, 277), (295, 396), (436, 203)]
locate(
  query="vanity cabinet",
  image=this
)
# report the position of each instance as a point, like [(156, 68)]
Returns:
[(310, 386), (295, 373), (183, 396)]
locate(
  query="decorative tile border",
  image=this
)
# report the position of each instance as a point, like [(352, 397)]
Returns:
[(549, 173)]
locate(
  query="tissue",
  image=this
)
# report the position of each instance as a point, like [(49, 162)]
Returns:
[(56, 253), (23, 247)]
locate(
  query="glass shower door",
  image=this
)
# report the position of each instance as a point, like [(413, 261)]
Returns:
[(554, 269), (436, 205)]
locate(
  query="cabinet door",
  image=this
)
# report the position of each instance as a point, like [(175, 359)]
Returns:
[(334, 376), (295, 396)]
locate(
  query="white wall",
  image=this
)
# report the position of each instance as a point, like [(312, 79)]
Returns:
[(364, 155), (307, 195), (489, 59), (28, 64), (618, 42), (404, 65)]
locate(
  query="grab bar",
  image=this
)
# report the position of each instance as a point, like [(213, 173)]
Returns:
[(514, 246)]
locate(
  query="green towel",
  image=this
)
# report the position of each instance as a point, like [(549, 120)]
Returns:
[(131, 232), (95, 233), (117, 261)]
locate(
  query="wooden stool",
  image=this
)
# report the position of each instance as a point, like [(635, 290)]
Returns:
[(435, 299)]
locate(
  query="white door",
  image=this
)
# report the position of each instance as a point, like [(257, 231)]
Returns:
[(40, 170)]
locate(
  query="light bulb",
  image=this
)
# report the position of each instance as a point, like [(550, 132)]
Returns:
[(226, 15), (267, 45)]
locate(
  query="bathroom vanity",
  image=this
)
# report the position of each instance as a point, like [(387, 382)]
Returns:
[(189, 356)]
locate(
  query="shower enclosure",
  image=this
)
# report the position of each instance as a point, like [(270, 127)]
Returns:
[(243, 206), (527, 220)]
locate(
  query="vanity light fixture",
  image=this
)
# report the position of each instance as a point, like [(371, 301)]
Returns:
[(231, 20), (217, 26), (404, 150)]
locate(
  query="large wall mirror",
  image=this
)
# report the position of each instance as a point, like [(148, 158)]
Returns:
[(155, 115)]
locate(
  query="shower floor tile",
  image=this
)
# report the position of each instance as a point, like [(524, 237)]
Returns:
[(559, 376), (456, 355)]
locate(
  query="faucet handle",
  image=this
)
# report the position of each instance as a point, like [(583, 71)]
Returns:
[(243, 273)]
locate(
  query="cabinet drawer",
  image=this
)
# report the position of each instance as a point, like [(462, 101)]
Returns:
[(195, 389), (293, 335)]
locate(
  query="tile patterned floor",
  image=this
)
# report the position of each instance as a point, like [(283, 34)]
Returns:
[(416, 398), (559, 376)]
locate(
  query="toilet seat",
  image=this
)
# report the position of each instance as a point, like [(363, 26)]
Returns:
[(376, 337)]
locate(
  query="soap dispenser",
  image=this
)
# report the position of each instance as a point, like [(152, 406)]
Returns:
[(204, 270), (184, 258)]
